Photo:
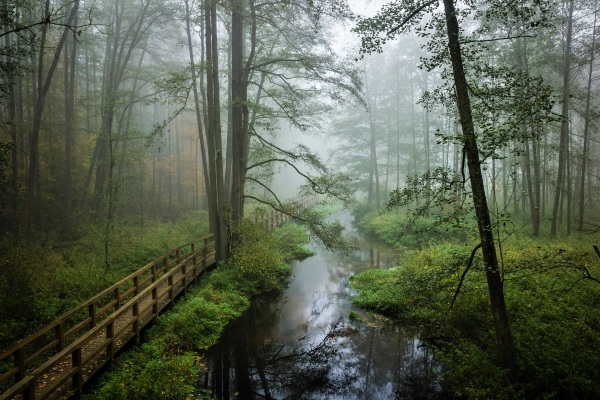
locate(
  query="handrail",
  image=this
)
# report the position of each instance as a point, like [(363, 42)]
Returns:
[(159, 271), (80, 354)]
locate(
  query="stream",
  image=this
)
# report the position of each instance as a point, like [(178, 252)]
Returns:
[(303, 344)]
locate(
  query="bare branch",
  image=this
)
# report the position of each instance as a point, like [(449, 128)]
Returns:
[(462, 278)]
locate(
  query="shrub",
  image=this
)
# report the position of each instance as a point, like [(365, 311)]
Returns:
[(258, 259), (396, 228)]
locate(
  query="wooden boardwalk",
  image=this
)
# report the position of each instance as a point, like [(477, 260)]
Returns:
[(56, 361)]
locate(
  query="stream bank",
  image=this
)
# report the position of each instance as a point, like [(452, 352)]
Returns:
[(310, 341)]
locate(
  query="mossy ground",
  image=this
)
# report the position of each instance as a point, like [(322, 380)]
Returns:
[(553, 306)]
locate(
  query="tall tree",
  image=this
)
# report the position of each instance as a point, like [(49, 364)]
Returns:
[(33, 201), (486, 235), (217, 199), (239, 109), (563, 152), (449, 45), (587, 122), (70, 77), (197, 100)]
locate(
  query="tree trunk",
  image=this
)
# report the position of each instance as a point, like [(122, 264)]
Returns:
[(564, 126), (33, 180), (240, 114), (387, 161), (495, 286), (586, 129), (106, 110), (374, 165), (12, 121), (197, 100), (426, 148), (70, 65), (238, 100), (535, 217), (373, 186), (218, 202)]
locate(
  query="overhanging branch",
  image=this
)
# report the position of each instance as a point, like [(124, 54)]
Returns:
[(411, 15), (462, 278)]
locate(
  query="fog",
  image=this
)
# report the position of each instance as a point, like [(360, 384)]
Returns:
[(172, 119)]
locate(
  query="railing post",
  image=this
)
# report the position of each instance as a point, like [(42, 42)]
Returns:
[(117, 298), (155, 301), (170, 280), (92, 311), (19, 359), (195, 259), (153, 269), (136, 284), (136, 323), (178, 255), (204, 253), (194, 263), (77, 377), (29, 393), (60, 336), (184, 277), (165, 264), (110, 331)]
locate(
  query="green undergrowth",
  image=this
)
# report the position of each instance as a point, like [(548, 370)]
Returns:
[(396, 229), (40, 281), (168, 363), (553, 299)]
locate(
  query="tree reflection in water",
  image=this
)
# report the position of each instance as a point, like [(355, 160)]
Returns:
[(346, 362), (302, 344)]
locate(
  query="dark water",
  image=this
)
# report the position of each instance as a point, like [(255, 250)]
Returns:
[(302, 344)]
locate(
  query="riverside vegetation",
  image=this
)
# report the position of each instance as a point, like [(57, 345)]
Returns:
[(552, 294), (169, 361)]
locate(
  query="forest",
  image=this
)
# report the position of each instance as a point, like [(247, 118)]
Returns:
[(462, 134)]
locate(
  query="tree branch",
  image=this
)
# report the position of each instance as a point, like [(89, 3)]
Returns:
[(495, 39), (248, 178), (281, 208), (462, 278), (411, 15)]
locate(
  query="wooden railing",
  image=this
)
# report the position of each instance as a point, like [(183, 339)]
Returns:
[(77, 344), (274, 218)]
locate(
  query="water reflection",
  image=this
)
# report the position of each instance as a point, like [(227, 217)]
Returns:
[(302, 344)]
